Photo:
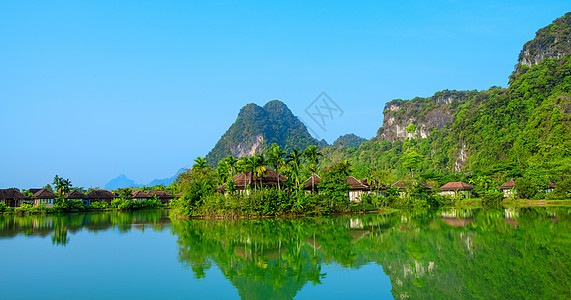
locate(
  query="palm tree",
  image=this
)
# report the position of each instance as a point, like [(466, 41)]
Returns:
[(312, 155), (62, 185), (294, 161), (199, 165), (259, 166), (231, 164), (276, 159), (245, 164)]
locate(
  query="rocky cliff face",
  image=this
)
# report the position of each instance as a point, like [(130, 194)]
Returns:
[(553, 41), (425, 113), (258, 127)]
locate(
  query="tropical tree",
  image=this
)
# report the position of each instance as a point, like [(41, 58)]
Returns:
[(312, 155), (62, 185), (294, 162), (258, 165), (410, 160), (275, 157)]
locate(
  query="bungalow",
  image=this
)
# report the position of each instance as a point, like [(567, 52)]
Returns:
[(403, 186), (243, 180), (550, 187), (101, 196), (456, 187), (355, 191), (164, 196), (77, 195), (44, 197), (11, 197), (509, 189), (140, 196)]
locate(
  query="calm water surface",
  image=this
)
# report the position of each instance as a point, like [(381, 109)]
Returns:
[(520, 253)]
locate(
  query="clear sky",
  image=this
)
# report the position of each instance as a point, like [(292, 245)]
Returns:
[(93, 89)]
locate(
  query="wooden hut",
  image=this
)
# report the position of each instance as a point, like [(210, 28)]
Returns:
[(140, 196), (355, 191), (11, 197), (455, 188), (101, 196), (77, 195), (243, 180), (44, 197), (164, 196), (508, 188)]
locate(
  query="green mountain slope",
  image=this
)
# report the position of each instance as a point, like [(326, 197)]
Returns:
[(519, 130), (258, 127)]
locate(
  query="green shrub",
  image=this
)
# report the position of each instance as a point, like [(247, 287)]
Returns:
[(493, 198), (3, 207), (525, 188), (97, 205)]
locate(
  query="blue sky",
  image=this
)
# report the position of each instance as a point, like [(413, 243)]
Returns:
[(93, 89)]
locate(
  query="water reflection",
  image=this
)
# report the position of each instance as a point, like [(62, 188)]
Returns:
[(453, 253), (58, 226)]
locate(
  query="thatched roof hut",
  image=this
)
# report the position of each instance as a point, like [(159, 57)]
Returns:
[(508, 185), (140, 195), (44, 194), (11, 194), (161, 194), (456, 186), (75, 194), (354, 183), (244, 179)]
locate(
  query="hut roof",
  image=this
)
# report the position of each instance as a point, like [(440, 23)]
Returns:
[(33, 191), (456, 186), (243, 179), (508, 185), (44, 194), (75, 194), (140, 194), (316, 180), (354, 183), (161, 194), (100, 194), (403, 185), (11, 194)]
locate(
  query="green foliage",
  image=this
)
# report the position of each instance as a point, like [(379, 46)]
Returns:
[(3, 207), (68, 205), (97, 205), (274, 121), (349, 141), (563, 189), (525, 188), (493, 198)]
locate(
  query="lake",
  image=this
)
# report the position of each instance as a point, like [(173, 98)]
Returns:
[(517, 253)]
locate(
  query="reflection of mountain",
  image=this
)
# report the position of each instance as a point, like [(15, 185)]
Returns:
[(452, 254)]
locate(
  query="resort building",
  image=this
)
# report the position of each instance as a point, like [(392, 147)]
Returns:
[(101, 196), (44, 197), (164, 196), (11, 197), (509, 189), (354, 193), (77, 195), (243, 180), (455, 188), (140, 196)]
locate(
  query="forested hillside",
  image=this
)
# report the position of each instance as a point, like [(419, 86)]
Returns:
[(257, 127), (502, 132)]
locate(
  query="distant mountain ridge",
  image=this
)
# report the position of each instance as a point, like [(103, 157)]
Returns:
[(258, 127), (122, 181)]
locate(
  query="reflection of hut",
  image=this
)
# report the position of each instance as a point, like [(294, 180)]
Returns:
[(101, 196), (45, 197), (140, 196), (512, 222), (358, 234), (11, 197), (163, 196), (456, 187), (243, 180), (455, 222), (508, 188), (77, 195)]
